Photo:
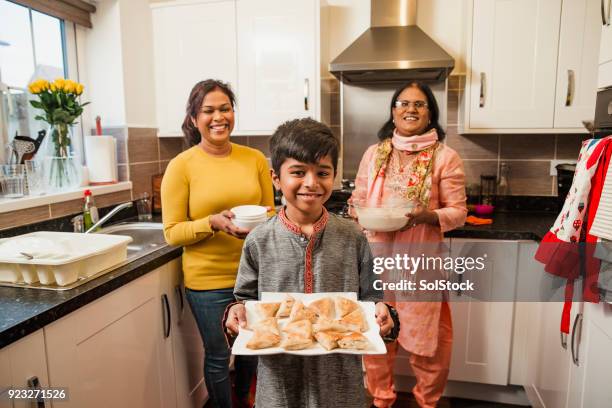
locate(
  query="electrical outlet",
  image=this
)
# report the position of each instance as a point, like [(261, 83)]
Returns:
[(553, 165)]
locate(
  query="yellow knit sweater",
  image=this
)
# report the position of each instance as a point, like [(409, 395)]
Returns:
[(197, 185)]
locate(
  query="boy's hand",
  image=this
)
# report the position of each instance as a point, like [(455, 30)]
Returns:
[(223, 222), (383, 318), (236, 318)]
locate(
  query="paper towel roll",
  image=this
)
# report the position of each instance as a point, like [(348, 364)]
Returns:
[(101, 158)]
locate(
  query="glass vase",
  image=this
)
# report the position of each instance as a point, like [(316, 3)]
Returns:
[(63, 169)]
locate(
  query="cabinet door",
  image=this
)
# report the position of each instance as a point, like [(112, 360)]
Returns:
[(482, 331), (277, 62), (187, 347), (110, 353), (192, 42), (605, 49), (26, 359), (514, 63), (577, 66), (590, 374)]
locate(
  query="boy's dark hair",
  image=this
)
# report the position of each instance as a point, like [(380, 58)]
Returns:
[(304, 140)]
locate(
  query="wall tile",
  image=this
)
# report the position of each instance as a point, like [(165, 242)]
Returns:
[(452, 112), (330, 85), (472, 146), (142, 145), (568, 146), (475, 168), (163, 165), (530, 178), (326, 108), (527, 146), (66, 208), (261, 143), (122, 172), (117, 197), (334, 113), (455, 82), (169, 147), (140, 175), (24, 217), (242, 140)]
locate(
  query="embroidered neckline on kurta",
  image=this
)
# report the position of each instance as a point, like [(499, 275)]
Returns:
[(317, 227), (418, 186)]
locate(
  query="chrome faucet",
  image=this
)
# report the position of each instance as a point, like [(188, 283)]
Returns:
[(109, 215)]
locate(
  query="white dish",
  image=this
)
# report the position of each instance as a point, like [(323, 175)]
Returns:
[(248, 224), (377, 345), (59, 257), (383, 218), (249, 211)]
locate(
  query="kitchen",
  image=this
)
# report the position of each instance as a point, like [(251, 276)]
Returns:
[(515, 86)]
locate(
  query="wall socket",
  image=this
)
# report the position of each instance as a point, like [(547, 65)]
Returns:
[(553, 165)]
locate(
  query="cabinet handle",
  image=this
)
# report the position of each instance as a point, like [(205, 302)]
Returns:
[(570, 87), (563, 340), (167, 316), (179, 294), (34, 384), (483, 85), (306, 93), (605, 15), (575, 357)]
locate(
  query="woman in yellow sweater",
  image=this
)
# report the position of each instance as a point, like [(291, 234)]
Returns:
[(198, 189)]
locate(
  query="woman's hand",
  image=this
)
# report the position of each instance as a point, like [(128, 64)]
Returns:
[(236, 318), (383, 318), (421, 215), (223, 222)]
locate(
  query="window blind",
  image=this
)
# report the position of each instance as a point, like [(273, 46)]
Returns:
[(77, 11)]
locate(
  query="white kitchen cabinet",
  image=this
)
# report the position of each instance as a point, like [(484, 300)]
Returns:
[(524, 57), (20, 363), (193, 41), (482, 331), (112, 352), (187, 348), (605, 48), (576, 68), (278, 77), (589, 382), (268, 50)]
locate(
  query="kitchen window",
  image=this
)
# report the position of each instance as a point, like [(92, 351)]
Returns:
[(32, 45)]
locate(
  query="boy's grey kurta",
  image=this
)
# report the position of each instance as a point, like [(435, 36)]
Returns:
[(274, 260)]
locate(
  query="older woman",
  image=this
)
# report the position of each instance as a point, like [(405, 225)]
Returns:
[(409, 163), (199, 188)]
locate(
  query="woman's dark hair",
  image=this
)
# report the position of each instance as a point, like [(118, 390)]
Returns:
[(386, 131), (194, 103), (304, 140)]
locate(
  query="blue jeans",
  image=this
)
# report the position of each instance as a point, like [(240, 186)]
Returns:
[(208, 307)]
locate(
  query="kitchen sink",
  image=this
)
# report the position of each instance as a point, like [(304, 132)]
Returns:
[(147, 237)]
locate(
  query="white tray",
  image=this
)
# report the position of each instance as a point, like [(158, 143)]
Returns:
[(377, 345), (60, 258)]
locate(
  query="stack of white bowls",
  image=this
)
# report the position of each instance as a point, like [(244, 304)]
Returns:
[(249, 216)]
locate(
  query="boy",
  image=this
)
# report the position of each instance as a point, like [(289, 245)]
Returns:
[(306, 249)]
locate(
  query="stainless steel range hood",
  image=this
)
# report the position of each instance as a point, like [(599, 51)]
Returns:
[(393, 49)]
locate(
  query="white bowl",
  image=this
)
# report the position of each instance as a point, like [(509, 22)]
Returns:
[(248, 224), (383, 218), (249, 212)]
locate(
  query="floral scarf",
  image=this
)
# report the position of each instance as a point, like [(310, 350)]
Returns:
[(419, 182)]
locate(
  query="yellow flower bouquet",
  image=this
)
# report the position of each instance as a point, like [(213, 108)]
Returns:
[(61, 107), (59, 101)]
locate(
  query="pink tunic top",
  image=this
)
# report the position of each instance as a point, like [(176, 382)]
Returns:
[(420, 320)]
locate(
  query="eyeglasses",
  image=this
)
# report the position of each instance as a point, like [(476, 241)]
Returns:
[(419, 105)]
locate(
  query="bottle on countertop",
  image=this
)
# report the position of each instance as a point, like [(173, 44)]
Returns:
[(502, 183), (90, 211)]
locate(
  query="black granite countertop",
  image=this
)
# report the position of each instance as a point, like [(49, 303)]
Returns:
[(509, 226), (26, 310)]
